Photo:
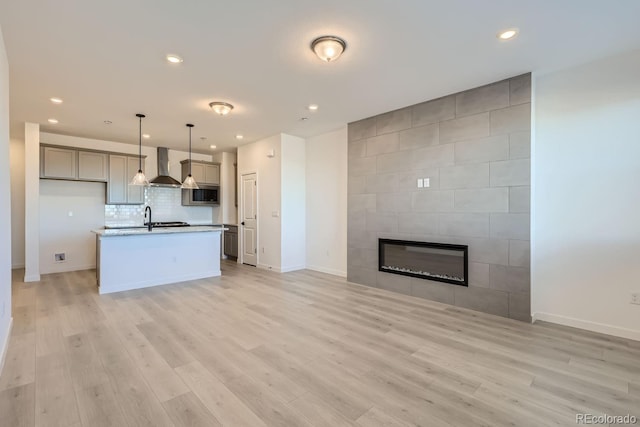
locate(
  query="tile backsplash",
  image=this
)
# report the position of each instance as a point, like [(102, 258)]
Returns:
[(166, 205)]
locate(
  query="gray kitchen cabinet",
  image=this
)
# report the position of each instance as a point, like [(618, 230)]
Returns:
[(206, 173), (231, 241), (121, 171), (58, 163), (93, 166)]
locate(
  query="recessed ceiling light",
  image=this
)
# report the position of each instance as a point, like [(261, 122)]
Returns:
[(146, 136), (507, 34), (313, 107), (174, 59), (213, 147), (238, 136), (328, 48), (304, 119), (56, 100), (107, 122), (52, 121), (222, 108)]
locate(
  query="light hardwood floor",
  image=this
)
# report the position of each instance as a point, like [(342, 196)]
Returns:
[(256, 348)]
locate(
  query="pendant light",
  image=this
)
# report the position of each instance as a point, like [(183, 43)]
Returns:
[(189, 183), (139, 178)]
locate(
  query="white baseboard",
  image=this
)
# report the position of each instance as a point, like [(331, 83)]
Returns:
[(294, 268), (67, 269), (32, 278), (327, 270), (602, 328), (268, 267), (5, 345), (16, 266)]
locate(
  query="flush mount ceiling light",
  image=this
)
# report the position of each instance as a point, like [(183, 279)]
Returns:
[(328, 48), (189, 183), (56, 100), (53, 121), (507, 34), (174, 59), (221, 108), (139, 178)]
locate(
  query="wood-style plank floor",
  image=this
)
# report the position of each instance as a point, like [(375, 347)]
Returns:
[(256, 348)]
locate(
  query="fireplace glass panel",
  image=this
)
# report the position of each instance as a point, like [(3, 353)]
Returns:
[(433, 261)]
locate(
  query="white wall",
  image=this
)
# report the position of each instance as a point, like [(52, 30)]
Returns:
[(61, 233), (326, 202), (32, 203), (16, 157), (252, 158), (228, 213), (586, 196), (5, 207), (292, 211)]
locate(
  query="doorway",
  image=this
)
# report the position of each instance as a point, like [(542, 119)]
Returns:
[(249, 219)]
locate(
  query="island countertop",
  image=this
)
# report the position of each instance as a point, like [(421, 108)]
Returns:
[(143, 231)]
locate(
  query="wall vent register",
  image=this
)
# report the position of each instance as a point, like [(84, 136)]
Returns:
[(433, 261)]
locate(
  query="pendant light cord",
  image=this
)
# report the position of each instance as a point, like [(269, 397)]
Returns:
[(190, 151), (140, 145)]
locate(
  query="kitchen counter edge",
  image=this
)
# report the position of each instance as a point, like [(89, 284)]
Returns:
[(159, 230)]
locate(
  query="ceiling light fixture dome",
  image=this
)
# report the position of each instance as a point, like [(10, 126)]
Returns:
[(221, 108), (56, 100), (328, 48)]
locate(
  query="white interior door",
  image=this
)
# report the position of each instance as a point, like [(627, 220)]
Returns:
[(249, 219)]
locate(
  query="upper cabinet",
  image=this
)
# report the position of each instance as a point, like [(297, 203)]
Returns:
[(205, 173), (92, 166), (58, 163), (122, 168), (73, 164), (78, 164)]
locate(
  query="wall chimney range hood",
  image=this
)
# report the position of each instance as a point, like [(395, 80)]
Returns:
[(163, 179)]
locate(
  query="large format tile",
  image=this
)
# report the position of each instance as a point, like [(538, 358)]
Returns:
[(434, 111), (482, 200), (511, 119), (482, 150), (520, 90), (511, 173), (482, 99), (393, 121), (361, 129), (474, 175), (471, 225), (510, 279), (485, 300), (476, 126)]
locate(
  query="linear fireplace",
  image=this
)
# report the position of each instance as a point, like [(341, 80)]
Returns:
[(433, 261)]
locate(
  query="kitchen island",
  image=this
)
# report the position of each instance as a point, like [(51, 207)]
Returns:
[(134, 258)]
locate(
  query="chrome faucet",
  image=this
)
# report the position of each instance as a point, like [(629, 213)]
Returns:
[(149, 224)]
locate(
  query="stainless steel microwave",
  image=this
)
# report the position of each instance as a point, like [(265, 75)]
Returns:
[(206, 195)]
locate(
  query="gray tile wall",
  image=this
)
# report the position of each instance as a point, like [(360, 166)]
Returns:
[(474, 147)]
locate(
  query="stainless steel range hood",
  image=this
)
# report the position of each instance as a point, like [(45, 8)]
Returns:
[(163, 179)]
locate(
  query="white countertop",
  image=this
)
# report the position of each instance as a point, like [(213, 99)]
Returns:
[(158, 230)]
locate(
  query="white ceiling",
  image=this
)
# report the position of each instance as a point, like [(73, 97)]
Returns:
[(107, 59)]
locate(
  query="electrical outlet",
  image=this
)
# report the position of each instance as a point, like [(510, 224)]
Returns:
[(635, 298), (61, 257), (420, 183), (426, 182)]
